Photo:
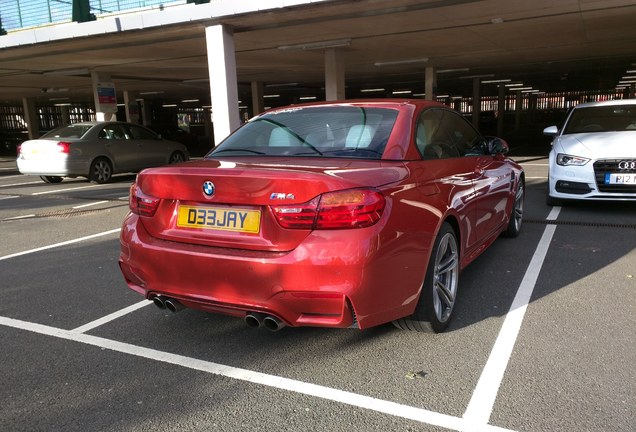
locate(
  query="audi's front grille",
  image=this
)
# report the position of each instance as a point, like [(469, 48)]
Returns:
[(603, 168)]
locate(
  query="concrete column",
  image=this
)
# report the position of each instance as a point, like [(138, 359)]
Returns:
[(532, 107), (209, 128), (476, 101), (105, 97), (334, 74), (223, 83), (518, 110), (146, 112), (132, 107), (66, 115), (258, 103), (430, 77), (501, 109), (31, 117)]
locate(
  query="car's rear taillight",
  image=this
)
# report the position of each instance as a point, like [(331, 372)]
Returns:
[(352, 208), (19, 149), (355, 208), (299, 216), (142, 204), (64, 147)]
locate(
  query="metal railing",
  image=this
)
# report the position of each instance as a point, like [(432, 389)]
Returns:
[(19, 14)]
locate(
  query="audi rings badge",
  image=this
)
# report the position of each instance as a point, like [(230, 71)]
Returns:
[(627, 165)]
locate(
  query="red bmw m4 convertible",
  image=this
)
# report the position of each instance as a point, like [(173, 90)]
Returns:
[(336, 214)]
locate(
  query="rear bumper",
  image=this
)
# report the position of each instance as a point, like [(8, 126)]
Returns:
[(53, 166), (328, 281)]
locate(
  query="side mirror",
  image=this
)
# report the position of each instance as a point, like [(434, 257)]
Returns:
[(551, 131), (495, 146)]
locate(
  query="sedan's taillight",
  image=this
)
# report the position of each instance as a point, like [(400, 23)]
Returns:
[(352, 208), (142, 204), (64, 147)]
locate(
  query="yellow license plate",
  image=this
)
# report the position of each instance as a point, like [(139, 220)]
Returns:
[(226, 219)]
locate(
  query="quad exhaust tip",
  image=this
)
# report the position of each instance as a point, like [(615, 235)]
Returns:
[(257, 319), (159, 301), (167, 303), (272, 323), (254, 319)]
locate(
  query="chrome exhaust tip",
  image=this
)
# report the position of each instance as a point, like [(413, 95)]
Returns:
[(173, 305), (272, 323), (254, 319), (159, 301)]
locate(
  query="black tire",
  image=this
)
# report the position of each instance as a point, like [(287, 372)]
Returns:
[(516, 215), (176, 157), (101, 171), (52, 179), (435, 306)]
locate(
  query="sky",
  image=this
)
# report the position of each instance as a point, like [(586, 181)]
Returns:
[(25, 13)]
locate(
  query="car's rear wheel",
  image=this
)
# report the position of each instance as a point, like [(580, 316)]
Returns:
[(516, 217), (51, 179), (439, 291), (176, 157), (101, 171)]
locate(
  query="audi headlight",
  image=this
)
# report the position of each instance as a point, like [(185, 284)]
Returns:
[(569, 160)]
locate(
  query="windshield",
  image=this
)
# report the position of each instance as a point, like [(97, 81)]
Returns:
[(70, 131), (332, 131), (601, 119)]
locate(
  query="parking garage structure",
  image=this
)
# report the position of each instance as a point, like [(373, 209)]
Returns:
[(506, 66)]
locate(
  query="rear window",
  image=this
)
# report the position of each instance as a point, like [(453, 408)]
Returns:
[(332, 131), (601, 119), (70, 131)]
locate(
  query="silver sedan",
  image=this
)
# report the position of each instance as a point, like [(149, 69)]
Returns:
[(96, 150)]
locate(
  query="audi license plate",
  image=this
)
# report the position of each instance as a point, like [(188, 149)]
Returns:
[(226, 219), (629, 179)]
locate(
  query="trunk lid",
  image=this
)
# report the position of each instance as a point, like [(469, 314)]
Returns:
[(44, 148), (237, 215)]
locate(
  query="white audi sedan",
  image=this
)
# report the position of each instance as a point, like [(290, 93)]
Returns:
[(593, 156), (96, 150)]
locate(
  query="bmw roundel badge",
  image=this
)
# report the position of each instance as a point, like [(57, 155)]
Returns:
[(208, 188)]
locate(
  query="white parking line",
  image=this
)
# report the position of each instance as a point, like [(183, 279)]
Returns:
[(9, 197), (81, 239), (66, 190), (89, 204), (19, 217), (22, 184), (327, 393), (483, 399), (111, 317)]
